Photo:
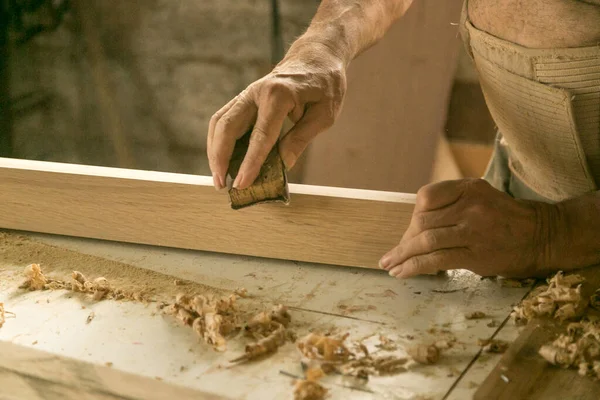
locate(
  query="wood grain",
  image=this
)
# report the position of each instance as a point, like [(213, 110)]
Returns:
[(31, 374), (523, 374), (322, 225)]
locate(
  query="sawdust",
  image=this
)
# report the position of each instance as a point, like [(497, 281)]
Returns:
[(560, 299), (346, 310), (17, 252), (309, 388), (475, 315), (578, 348), (98, 289), (387, 293)]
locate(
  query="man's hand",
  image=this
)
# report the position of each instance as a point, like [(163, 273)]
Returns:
[(469, 224), (308, 86)]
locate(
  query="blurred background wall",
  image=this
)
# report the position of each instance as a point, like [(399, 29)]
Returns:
[(133, 84)]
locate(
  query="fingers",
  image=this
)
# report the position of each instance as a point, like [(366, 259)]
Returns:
[(430, 263), (219, 181), (424, 220), (426, 242), (439, 195), (271, 114), (229, 127), (314, 121)]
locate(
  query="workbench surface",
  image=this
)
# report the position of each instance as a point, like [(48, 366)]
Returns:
[(137, 339)]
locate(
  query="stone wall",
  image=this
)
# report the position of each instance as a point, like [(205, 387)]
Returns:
[(150, 73)]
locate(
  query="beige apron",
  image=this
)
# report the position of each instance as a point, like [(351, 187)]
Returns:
[(546, 104)]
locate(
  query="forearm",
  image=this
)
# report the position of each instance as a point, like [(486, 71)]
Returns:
[(348, 27), (573, 233)]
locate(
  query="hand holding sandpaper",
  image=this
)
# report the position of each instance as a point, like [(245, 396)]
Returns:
[(307, 87), (269, 186)]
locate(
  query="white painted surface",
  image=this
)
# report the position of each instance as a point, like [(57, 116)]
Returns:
[(135, 339)]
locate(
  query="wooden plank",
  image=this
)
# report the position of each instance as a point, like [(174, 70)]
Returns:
[(395, 107), (523, 374), (26, 373), (322, 225)]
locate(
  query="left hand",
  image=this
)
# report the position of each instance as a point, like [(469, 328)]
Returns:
[(468, 224)]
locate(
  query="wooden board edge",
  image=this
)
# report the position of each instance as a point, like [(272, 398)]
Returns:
[(23, 371), (324, 225)]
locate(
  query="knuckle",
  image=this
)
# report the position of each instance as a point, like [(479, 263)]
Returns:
[(477, 185), (416, 264), (424, 197), (430, 239), (224, 124), (420, 220), (277, 88)]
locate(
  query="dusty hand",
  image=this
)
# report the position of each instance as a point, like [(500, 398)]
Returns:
[(469, 224), (308, 86)]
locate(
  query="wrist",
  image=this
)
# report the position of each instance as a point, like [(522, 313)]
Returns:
[(567, 234), (550, 238), (317, 46)]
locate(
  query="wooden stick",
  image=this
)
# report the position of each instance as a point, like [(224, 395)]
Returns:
[(337, 226), (26, 373)]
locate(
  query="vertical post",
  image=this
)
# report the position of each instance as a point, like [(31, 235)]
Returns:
[(276, 35), (5, 111)]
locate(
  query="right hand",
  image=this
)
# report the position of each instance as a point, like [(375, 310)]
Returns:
[(308, 86)]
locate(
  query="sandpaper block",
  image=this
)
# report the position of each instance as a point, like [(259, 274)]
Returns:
[(271, 184)]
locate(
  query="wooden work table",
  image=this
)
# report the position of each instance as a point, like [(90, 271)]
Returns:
[(135, 339)]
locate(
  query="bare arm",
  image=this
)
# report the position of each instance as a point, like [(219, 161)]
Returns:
[(308, 86), (572, 234), (349, 27)]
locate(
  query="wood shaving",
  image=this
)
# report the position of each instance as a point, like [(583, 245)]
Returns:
[(424, 354), (516, 283), (241, 292), (493, 345), (34, 278), (578, 348), (560, 299), (386, 344), (270, 329), (475, 315), (493, 323), (366, 366), (325, 348), (353, 309), (265, 346), (3, 313), (595, 300), (211, 317), (310, 388), (90, 317)]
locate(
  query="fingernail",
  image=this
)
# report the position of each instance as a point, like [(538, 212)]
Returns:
[(237, 181), (384, 262), (395, 272)]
